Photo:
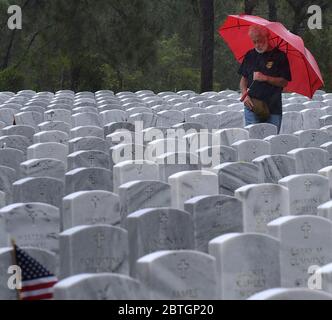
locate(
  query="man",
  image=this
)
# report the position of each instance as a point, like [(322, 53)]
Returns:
[(265, 70)]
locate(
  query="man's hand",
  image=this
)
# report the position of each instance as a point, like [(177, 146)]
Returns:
[(274, 81), (258, 76), (248, 103)]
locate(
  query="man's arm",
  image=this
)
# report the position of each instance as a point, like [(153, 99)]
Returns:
[(274, 81), (244, 87)]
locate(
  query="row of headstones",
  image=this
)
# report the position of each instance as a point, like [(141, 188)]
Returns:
[(148, 96), (92, 138), (89, 116), (211, 215), (55, 144), (40, 101), (34, 116), (154, 106), (45, 180), (237, 266), (265, 168), (100, 99), (305, 192), (314, 118), (141, 92), (171, 277), (126, 96), (307, 119), (67, 97)]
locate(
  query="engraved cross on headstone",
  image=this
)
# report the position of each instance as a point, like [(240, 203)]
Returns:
[(44, 165), (163, 219), (33, 216), (219, 208), (42, 188), (149, 191), (267, 195), (95, 201), (99, 237), (91, 158), (92, 179), (102, 294), (183, 267), (216, 223), (306, 228), (263, 129), (139, 169), (307, 185), (254, 149)]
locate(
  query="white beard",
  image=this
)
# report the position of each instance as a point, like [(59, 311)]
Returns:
[(263, 50), (260, 51)]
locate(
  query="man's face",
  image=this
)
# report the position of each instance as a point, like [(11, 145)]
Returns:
[(261, 43)]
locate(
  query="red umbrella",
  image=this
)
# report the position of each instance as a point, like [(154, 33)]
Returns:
[(306, 76)]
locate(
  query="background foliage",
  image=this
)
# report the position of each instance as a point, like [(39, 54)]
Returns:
[(135, 44)]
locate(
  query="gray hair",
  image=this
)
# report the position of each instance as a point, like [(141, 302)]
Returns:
[(258, 30)]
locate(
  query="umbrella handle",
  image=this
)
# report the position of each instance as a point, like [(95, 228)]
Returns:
[(244, 96)]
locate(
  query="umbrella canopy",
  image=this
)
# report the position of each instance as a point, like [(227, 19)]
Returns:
[(306, 76)]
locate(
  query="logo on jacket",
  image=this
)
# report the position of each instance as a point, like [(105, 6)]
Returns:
[(269, 65)]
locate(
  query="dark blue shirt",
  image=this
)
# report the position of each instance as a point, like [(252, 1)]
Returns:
[(272, 63)]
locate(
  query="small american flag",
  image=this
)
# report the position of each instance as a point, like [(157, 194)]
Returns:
[(37, 281)]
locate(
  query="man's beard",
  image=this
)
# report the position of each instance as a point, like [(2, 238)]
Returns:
[(263, 50)]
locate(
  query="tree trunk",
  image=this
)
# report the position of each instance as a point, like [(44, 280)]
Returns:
[(8, 51), (249, 6), (75, 77), (207, 56), (273, 16)]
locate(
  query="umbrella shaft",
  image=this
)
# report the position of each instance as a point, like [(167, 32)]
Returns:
[(246, 94)]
